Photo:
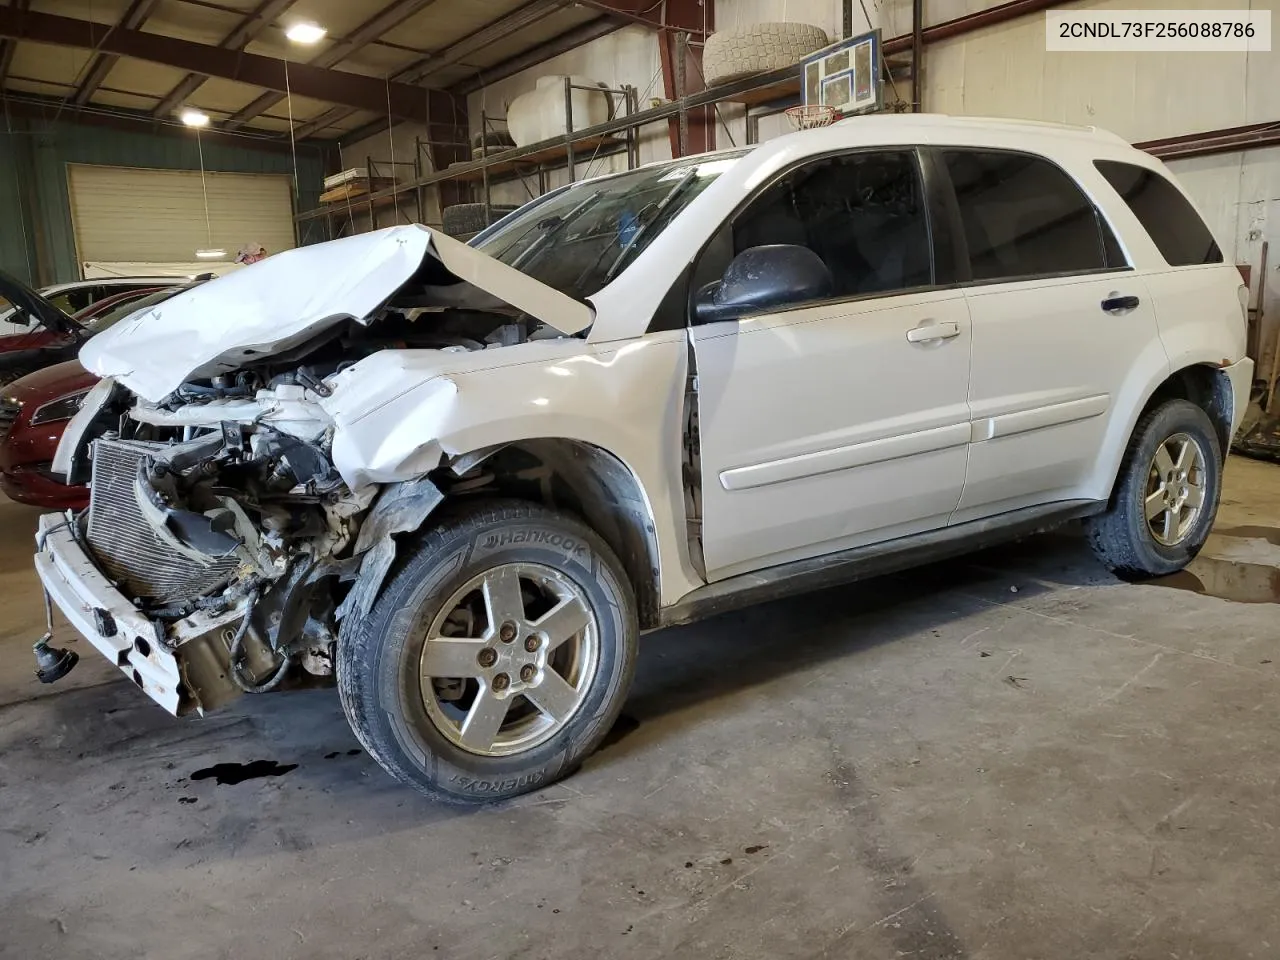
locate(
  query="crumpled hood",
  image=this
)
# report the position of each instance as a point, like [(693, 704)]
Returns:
[(283, 300)]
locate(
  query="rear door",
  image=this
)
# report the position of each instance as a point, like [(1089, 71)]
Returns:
[(1059, 318), (825, 425), (1195, 292)]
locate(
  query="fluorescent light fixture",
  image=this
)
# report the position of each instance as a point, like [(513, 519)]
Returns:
[(306, 33), (214, 253), (194, 118)]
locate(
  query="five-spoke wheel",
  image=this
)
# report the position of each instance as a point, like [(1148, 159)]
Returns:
[(496, 657)]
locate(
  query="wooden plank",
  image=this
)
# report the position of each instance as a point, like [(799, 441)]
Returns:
[(776, 91)]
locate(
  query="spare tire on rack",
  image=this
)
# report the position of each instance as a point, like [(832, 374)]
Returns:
[(758, 48), (464, 220), (487, 144)]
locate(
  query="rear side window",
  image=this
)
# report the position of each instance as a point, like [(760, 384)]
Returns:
[(1173, 224), (1024, 217)]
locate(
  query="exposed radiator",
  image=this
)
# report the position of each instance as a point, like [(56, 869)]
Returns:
[(123, 542)]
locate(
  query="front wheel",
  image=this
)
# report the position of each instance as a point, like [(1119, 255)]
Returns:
[(496, 657), (1166, 496)]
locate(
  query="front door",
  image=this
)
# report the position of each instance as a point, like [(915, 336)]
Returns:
[(843, 420)]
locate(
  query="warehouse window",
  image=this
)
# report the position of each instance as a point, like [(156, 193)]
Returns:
[(1173, 224), (862, 213), (1024, 217)]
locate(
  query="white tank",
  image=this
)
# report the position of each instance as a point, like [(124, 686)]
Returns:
[(539, 114)]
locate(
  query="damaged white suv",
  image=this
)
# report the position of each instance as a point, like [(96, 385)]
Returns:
[(465, 479)]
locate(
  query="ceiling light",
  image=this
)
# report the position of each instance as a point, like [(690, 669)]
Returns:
[(194, 118), (216, 253), (306, 33)]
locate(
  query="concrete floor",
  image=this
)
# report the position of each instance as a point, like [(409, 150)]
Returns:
[(929, 766)]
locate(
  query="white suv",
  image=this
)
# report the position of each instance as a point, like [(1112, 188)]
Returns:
[(465, 479)]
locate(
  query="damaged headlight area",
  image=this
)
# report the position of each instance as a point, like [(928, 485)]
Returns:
[(217, 511), (219, 514), (242, 531)]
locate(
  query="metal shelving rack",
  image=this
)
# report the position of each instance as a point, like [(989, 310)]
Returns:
[(621, 133)]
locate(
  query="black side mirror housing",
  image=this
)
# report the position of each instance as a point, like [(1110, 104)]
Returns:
[(764, 278)]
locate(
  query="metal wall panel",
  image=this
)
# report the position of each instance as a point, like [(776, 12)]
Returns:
[(1004, 70), (17, 244), (53, 147)]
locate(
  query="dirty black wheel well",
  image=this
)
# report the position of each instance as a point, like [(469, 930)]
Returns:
[(1205, 386), (581, 479)]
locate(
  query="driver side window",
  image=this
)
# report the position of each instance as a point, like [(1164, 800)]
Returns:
[(863, 214)]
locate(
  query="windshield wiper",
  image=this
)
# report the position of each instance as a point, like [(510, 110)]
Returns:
[(554, 226), (663, 204)]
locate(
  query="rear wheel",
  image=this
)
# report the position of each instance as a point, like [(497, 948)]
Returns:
[(496, 658), (1166, 496)]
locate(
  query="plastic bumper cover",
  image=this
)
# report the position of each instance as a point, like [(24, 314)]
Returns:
[(104, 616)]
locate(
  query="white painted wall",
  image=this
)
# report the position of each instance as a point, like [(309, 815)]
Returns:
[(626, 56), (1239, 195), (1005, 71)]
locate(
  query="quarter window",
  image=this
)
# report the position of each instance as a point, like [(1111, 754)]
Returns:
[(1173, 224), (1024, 217), (862, 213)]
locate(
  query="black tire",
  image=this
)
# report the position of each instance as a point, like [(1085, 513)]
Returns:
[(467, 219), (1121, 537), (758, 48), (487, 144), (377, 663)]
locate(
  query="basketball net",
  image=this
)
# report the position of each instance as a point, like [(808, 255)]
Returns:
[(808, 116)]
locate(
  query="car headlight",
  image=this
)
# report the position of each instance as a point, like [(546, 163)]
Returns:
[(64, 408)]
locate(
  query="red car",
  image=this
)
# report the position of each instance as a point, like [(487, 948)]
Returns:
[(51, 335), (35, 409)]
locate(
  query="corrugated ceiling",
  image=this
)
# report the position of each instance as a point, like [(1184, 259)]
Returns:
[(419, 31)]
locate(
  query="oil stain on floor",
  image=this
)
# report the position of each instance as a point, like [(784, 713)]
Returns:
[(229, 774)]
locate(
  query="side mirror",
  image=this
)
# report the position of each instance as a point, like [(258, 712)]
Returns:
[(764, 278)]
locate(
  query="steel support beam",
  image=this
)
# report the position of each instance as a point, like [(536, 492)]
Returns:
[(248, 29), (349, 89), (422, 70), (646, 13), (563, 43), (135, 15), (7, 47), (35, 107), (373, 28), (681, 64), (969, 23), (1253, 136)]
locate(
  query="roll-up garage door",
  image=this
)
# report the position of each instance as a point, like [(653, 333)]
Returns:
[(131, 215)]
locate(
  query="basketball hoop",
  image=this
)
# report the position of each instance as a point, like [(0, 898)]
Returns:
[(808, 116)]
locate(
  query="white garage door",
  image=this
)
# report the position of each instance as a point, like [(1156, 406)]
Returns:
[(125, 214)]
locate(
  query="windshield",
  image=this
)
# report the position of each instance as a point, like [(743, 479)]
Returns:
[(580, 238), (112, 317)]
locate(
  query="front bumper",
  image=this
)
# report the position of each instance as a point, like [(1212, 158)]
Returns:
[(103, 615), (32, 484)]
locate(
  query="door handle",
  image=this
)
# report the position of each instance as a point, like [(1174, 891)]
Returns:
[(929, 332), (1115, 304)]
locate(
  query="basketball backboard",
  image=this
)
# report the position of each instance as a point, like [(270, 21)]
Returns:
[(845, 75)]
